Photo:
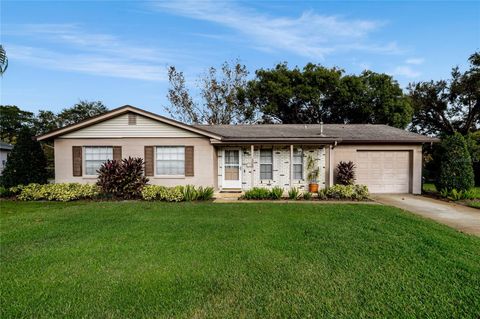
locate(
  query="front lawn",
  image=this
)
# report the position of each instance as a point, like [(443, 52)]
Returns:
[(152, 260)]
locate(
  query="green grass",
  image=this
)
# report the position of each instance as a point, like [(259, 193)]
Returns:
[(154, 260)]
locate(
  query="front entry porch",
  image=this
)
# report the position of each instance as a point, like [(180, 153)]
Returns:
[(241, 167)]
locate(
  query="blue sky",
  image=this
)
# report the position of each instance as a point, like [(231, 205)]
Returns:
[(118, 51)]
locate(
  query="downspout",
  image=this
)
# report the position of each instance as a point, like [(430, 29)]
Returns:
[(291, 166), (252, 163)]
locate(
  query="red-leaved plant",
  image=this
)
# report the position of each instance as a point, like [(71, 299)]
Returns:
[(122, 179), (346, 173)]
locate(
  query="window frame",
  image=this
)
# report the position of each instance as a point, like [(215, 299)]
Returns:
[(262, 163), (302, 164), (84, 159), (155, 171)]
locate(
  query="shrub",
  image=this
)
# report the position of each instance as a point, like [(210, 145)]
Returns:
[(123, 179), (293, 193), (157, 192), (456, 171), (4, 192), (307, 195), (276, 192), (322, 193), (346, 173), (26, 163), (58, 192), (189, 193), (349, 192), (257, 193), (205, 193), (455, 195)]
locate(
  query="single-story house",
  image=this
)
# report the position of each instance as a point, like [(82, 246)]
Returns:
[(5, 149), (238, 157)]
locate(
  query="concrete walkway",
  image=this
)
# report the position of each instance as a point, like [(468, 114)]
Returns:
[(463, 218)]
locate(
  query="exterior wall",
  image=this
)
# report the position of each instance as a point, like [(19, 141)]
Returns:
[(281, 166), (204, 158), (349, 153), (118, 127), (3, 159)]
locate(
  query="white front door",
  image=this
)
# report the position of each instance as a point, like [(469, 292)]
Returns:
[(232, 173)]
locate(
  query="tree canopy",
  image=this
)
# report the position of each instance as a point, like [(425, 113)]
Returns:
[(315, 93), (448, 106), (13, 119)]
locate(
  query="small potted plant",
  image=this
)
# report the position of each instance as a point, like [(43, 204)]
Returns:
[(312, 174)]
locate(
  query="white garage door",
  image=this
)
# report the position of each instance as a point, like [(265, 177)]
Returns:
[(384, 171)]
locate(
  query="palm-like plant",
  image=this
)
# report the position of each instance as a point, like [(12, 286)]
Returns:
[(3, 60)]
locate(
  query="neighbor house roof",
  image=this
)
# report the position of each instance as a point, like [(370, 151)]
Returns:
[(5, 146), (345, 133), (273, 133)]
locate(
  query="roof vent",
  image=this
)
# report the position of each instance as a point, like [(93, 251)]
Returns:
[(321, 129), (132, 119)]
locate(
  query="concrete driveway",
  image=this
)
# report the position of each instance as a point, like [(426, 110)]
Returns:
[(463, 218)]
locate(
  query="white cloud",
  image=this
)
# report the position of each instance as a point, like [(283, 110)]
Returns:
[(87, 63), (310, 34), (406, 71), (69, 47), (415, 61)]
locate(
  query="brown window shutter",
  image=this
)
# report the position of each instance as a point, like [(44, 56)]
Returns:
[(149, 158), (77, 160), (117, 153), (188, 160)]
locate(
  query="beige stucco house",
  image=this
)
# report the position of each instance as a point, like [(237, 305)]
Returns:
[(238, 157)]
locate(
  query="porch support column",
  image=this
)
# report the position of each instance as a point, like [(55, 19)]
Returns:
[(252, 163), (291, 166), (330, 166)]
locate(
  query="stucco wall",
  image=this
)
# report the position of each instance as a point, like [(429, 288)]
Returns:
[(204, 158), (349, 153), (281, 166)]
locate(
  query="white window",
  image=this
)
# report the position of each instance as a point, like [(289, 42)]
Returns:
[(298, 164), (95, 156), (170, 160), (266, 164)]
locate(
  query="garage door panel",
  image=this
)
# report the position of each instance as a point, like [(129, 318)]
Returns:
[(384, 171)]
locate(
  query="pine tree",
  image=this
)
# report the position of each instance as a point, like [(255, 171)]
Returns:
[(26, 163)]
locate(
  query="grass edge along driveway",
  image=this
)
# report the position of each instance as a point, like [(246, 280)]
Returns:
[(154, 260)]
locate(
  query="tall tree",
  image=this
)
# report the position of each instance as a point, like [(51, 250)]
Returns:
[(220, 97), (316, 93), (81, 111), (26, 163), (12, 119), (448, 106)]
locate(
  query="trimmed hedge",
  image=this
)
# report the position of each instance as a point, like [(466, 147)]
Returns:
[(346, 192), (177, 193), (58, 192)]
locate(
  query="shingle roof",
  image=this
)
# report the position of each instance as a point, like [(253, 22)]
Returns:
[(5, 146), (343, 132)]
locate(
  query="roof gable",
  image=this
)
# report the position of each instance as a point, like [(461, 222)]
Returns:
[(115, 124)]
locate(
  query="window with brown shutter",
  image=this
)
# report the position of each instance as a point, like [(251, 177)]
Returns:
[(149, 159), (77, 160), (189, 161), (117, 153)]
